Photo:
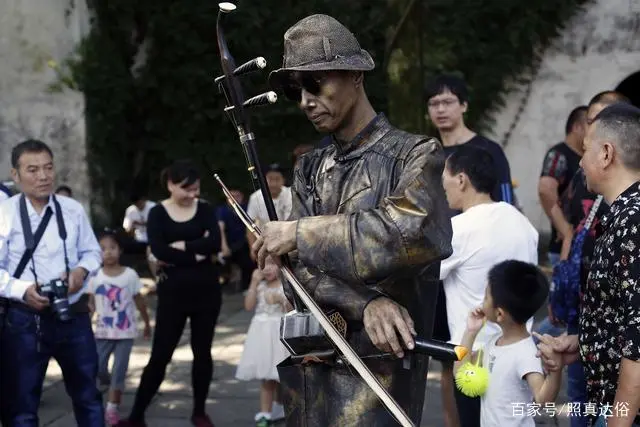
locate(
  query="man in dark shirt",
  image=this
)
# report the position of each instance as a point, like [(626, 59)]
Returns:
[(609, 332), (559, 166), (447, 100), (235, 248)]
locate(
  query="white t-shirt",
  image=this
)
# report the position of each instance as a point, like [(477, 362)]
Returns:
[(508, 397), (483, 236), (115, 307), (134, 214), (256, 208)]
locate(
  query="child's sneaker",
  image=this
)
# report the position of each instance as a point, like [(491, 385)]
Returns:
[(263, 419), (111, 416)]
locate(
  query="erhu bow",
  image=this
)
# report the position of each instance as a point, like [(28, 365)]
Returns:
[(230, 86)]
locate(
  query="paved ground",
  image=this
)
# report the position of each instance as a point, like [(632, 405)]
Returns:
[(231, 402)]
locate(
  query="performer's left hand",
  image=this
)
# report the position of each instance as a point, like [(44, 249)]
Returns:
[(278, 238)]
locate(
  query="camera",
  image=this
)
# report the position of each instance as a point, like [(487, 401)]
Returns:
[(56, 290)]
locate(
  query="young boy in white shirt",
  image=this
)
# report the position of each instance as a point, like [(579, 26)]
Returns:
[(515, 291)]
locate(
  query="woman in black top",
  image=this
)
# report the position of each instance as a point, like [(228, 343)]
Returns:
[(183, 236)]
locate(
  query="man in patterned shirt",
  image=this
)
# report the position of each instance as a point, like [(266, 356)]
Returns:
[(609, 338), (560, 165)]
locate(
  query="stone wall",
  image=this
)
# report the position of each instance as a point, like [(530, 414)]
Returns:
[(32, 32), (597, 51)]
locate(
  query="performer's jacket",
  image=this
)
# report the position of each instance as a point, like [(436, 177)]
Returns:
[(372, 221)]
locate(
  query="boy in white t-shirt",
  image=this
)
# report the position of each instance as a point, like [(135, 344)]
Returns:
[(517, 384), (115, 293)]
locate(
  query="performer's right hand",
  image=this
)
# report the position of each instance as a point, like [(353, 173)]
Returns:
[(383, 320)]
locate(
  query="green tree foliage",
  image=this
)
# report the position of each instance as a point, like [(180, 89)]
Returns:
[(147, 71), (488, 43), (169, 108)]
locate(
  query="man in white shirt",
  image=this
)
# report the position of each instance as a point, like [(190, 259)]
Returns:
[(135, 224), (36, 328), (484, 234), (135, 218), (280, 194)]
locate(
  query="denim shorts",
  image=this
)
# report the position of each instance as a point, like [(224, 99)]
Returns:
[(121, 350)]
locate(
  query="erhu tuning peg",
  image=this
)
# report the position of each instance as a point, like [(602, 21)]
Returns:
[(255, 64)]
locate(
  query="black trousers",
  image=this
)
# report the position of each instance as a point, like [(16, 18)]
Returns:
[(171, 317), (468, 409)]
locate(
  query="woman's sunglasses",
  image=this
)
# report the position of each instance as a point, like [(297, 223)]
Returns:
[(312, 83)]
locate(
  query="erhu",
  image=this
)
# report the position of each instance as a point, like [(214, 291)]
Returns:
[(307, 326)]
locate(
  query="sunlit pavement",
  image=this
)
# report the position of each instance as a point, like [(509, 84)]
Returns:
[(230, 403)]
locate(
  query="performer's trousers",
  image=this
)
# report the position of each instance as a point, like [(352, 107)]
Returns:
[(321, 395), (26, 355)]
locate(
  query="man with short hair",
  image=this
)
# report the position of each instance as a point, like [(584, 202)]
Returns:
[(44, 238), (608, 339), (577, 201), (135, 224), (368, 229), (561, 162), (447, 100), (136, 217), (484, 234)]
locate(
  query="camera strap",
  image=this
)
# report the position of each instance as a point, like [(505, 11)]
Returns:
[(31, 241)]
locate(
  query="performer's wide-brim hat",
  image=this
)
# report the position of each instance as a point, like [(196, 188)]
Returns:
[(320, 43)]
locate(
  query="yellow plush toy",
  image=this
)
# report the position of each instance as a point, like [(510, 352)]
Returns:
[(473, 379)]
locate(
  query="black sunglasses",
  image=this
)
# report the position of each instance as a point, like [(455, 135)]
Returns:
[(312, 83)]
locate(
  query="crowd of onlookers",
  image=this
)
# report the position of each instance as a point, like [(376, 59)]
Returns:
[(490, 287), (589, 190)]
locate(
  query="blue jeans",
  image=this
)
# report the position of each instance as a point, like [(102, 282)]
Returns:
[(546, 327), (577, 391), (26, 355), (553, 258)]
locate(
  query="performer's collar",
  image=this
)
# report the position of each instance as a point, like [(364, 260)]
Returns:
[(346, 147)]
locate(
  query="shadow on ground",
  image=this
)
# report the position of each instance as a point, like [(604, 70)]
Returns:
[(231, 402)]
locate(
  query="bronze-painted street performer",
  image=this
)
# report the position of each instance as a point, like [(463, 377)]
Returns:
[(368, 229)]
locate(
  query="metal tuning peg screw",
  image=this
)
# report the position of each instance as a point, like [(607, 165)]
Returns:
[(255, 64), (262, 99)]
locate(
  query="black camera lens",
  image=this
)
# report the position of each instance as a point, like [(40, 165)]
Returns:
[(56, 291), (61, 308)]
